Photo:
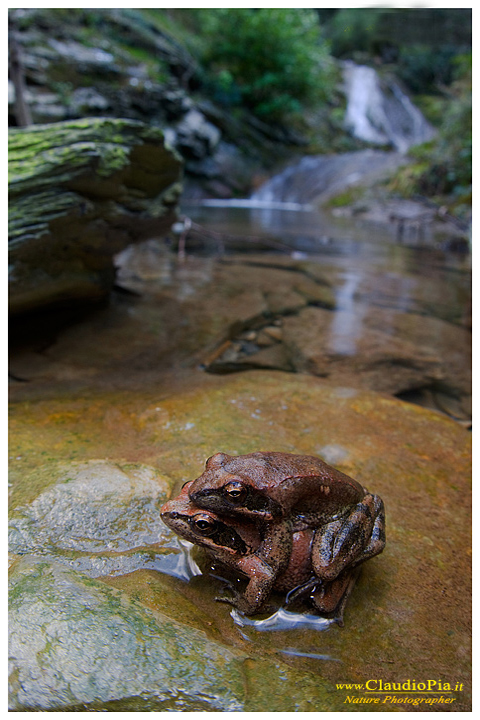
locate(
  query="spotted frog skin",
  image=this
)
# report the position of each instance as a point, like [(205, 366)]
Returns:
[(281, 494), (235, 544)]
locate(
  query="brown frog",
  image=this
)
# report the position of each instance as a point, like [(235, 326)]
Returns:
[(281, 494), (235, 544)]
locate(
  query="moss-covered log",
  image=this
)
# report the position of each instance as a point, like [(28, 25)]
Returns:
[(79, 192)]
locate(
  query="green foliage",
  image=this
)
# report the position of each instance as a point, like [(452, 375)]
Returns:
[(271, 60), (346, 198), (424, 69), (422, 42), (444, 166), (353, 30)]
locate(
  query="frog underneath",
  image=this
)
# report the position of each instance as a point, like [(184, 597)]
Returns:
[(235, 543), (280, 494)]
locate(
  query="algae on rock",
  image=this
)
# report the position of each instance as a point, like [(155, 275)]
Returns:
[(79, 192), (97, 646)]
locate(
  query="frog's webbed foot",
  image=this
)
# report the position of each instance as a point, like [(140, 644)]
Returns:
[(242, 605), (252, 600), (377, 536), (234, 596), (229, 600)]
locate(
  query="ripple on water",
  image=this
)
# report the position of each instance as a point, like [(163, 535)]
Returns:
[(283, 620)]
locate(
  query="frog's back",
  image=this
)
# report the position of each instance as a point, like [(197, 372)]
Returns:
[(300, 483)]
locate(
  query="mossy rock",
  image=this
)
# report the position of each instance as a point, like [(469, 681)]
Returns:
[(79, 192), (75, 641), (78, 645)]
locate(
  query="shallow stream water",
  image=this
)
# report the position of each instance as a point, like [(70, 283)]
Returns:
[(381, 305), (372, 267), (111, 414)]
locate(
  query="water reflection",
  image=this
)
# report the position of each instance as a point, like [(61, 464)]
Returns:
[(334, 297), (347, 326), (351, 245), (282, 620), (399, 323)]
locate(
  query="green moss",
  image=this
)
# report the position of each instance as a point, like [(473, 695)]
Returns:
[(348, 197)]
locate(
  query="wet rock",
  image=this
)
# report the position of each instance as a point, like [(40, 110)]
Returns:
[(82, 191), (101, 518), (362, 330), (77, 644), (195, 136), (228, 171), (88, 101), (269, 334), (45, 106), (86, 59), (408, 617), (176, 102), (140, 71), (398, 331), (351, 352), (315, 179)]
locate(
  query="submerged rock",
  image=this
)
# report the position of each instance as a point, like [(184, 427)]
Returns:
[(361, 329), (77, 644), (398, 331), (101, 518)]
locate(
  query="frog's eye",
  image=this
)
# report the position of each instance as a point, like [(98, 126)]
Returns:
[(235, 491), (204, 524)]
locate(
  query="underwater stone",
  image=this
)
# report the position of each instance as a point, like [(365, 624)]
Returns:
[(101, 518), (77, 644)]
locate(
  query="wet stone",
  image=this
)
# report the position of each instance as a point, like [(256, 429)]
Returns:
[(272, 333), (77, 644), (407, 617), (101, 518)]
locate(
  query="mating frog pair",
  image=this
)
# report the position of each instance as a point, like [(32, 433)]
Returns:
[(286, 522)]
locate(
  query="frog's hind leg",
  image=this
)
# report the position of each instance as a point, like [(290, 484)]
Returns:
[(377, 538), (331, 598), (347, 542)]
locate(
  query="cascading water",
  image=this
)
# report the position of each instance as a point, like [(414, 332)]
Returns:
[(314, 178), (381, 114)]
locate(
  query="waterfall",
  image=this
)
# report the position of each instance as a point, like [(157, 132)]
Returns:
[(381, 113), (314, 178)]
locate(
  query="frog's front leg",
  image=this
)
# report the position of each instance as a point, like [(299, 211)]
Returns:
[(351, 540), (263, 567)]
